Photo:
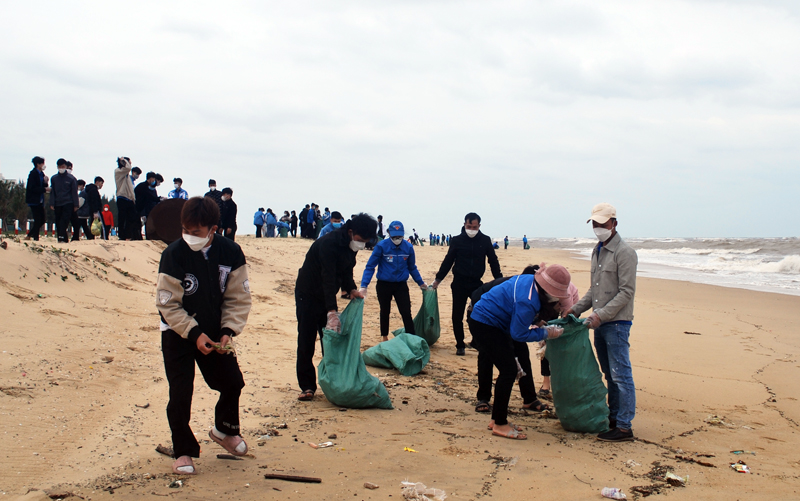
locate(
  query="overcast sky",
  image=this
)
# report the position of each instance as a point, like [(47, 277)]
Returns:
[(683, 114)]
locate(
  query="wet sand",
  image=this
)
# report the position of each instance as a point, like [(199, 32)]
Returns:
[(83, 394)]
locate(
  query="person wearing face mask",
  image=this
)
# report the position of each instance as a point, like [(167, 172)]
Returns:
[(203, 299), (328, 267), (336, 223), (228, 218), (147, 196), (506, 314), (271, 222), (216, 196), (127, 219), (108, 221), (395, 260), (63, 198), (178, 192), (467, 256), (610, 295), (34, 196), (259, 220)]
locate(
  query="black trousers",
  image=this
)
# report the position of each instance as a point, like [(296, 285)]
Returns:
[(75, 222), (462, 290), (311, 318), (231, 235), (84, 225), (107, 231), (499, 348), (527, 387), (294, 230), (399, 291), (129, 226), (545, 367), (258, 231), (221, 373), (38, 221), (63, 216)]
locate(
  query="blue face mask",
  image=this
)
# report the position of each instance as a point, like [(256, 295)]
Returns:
[(336, 225)]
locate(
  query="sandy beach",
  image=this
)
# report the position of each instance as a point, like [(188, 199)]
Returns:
[(83, 393)]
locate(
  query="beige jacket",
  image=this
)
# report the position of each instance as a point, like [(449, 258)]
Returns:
[(613, 284), (124, 183)]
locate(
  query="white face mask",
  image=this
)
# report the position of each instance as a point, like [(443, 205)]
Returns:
[(177, 186), (61, 171), (225, 198), (357, 246), (471, 233), (602, 234), (69, 170), (196, 243), (212, 188), (397, 240)]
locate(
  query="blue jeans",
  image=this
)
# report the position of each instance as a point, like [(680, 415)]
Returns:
[(270, 231), (613, 353)]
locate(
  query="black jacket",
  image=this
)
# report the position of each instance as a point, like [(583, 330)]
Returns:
[(93, 198), (196, 295), (146, 198), (216, 196), (303, 217), (228, 218), (35, 189), (467, 257), (328, 267)]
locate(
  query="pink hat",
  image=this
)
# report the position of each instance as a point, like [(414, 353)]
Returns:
[(554, 279)]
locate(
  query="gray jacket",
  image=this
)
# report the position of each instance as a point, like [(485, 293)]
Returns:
[(613, 283), (64, 190)]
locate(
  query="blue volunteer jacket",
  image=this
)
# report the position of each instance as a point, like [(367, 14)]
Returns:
[(394, 262), (258, 218), (511, 307), (271, 219), (326, 229)]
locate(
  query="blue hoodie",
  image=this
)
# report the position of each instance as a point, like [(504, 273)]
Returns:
[(511, 307), (394, 262), (271, 219), (258, 218)]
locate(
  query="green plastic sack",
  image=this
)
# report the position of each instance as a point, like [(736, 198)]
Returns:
[(343, 376), (426, 323), (577, 384), (97, 227), (283, 232), (407, 353)]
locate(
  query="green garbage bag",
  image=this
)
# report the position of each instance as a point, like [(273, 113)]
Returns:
[(283, 232), (407, 353), (426, 323), (343, 376), (577, 384)]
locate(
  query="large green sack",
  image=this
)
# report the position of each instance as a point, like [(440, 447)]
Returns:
[(343, 376), (426, 323), (407, 353), (577, 384)]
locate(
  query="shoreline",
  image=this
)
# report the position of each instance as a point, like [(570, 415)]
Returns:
[(740, 362)]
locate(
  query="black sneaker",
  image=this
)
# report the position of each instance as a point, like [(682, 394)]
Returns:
[(461, 351), (612, 423), (616, 435)]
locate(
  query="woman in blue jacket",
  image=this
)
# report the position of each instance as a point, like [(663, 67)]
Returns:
[(505, 314), (395, 260)]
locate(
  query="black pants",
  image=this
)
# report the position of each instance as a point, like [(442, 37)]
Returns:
[(399, 290), (486, 371), (499, 348), (75, 222), (545, 367), (311, 318), (294, 230), (128, 221), (38, 221), (462, 290), (231, 234), (221, 373), (84, 225), (258, 231), (63, 216), (107, 232)]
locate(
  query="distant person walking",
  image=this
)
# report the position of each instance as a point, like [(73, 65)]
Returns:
[(505, 243), (35, 190), (525, 242), (63, 198), (294, 224), (108, 221), (467, 256), (610, 295), (229, 209)]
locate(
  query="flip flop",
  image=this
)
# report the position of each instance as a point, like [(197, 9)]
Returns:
[(229, 443), (185, 462), (515, 426), (537, 406), (483, 407), (306, 396), (514, 434)]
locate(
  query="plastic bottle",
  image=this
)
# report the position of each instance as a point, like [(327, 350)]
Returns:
[(613, 493)]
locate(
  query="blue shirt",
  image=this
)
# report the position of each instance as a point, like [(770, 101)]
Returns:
[(327, 229), (395, 263), (512, 307), (178, 193)]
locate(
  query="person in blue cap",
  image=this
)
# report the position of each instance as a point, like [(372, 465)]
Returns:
[(395, 261)]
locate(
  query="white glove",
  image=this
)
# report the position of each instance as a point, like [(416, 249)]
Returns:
[(520, 373), (435, 285), (363, 291), (592, 321), (423, 287), (334, 323), (553, 331)]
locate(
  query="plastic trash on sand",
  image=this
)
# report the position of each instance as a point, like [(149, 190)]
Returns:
[(740, 467), (419, 491), (676, 481), (613, 493)]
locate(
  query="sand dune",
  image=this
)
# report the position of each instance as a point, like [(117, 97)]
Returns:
[(83, 394)]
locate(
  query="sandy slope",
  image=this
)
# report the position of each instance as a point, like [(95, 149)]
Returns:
[(76, 421)]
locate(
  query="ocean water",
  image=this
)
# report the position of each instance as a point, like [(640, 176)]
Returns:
[(763, 264)]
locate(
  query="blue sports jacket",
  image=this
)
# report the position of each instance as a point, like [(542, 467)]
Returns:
[(258, 218), (327, 229), (511, 307), (394, 262), (271, 219)]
